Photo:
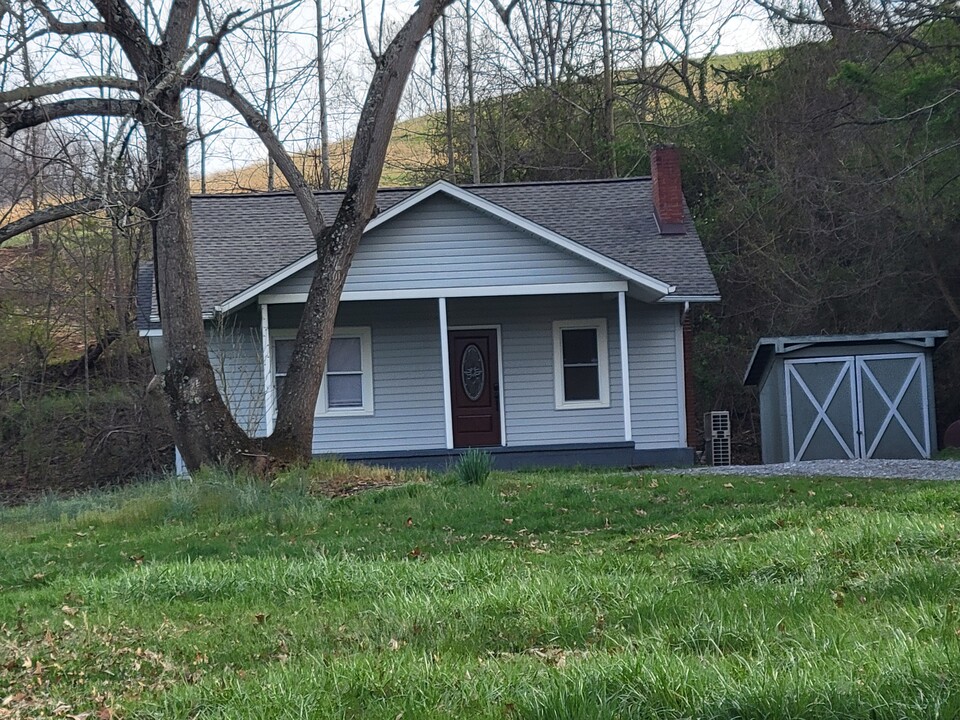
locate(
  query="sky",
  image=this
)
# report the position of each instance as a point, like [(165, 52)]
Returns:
[(349, 69), (229, 144)]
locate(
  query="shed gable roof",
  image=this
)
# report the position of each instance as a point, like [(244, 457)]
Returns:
[(768, 348)]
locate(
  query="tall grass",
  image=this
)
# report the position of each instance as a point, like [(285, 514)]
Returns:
[(539, 595)]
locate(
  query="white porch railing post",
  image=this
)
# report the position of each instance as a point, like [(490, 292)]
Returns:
[(269, 388), (445, 372), (625, 367)]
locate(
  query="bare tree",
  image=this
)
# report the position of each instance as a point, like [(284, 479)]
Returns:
[(609, 127), (163, 63), (447, 100), (471, 97), (322, 104)]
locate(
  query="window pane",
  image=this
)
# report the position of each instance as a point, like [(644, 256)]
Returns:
[(344, 391), (283, 349), (280, 379), (344, 355), (581, 383), (580, 346)]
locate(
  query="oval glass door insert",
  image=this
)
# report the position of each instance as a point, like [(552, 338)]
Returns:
[(472, 372)]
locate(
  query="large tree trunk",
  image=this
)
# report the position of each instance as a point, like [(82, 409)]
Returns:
[(204, 428), (293, 434), (337, 243)]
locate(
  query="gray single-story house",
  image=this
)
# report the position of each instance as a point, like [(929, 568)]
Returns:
[(542, 320)]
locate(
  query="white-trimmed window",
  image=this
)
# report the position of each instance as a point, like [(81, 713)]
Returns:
[(347, 387), (580, 366)]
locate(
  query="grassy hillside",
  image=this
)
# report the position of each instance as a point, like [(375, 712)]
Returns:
[(409, 151), (547, 595), (412, 148)]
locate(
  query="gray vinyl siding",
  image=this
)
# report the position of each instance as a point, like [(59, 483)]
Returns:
[(532, 417), (407, 386), (235, 352), (774, 445), (655, 389), (408, 411), (443, 243)]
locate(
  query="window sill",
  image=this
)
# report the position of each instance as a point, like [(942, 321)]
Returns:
[(583, 405), (346, 412)]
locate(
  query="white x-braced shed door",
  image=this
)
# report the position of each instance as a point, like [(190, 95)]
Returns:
[(894, 416), (821, 408), (868, 406)]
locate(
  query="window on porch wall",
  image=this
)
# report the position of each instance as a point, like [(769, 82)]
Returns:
[(347, 387), (581, 370)]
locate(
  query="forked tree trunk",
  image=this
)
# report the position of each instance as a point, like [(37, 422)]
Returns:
[(338, 242), (204, 428)]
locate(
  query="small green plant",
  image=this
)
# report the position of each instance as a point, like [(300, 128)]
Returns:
[(474, 467)]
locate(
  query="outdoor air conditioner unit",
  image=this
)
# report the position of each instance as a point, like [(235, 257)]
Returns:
[(716, 431)]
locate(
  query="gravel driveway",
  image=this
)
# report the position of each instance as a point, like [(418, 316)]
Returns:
[(906, 469)]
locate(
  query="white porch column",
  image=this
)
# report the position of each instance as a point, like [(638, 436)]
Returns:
[(682, 361), (445, 372), (269, 388), (625, 367)]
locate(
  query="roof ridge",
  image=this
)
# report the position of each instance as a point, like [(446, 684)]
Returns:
[(286, 193), (582, 181), (417, 188)]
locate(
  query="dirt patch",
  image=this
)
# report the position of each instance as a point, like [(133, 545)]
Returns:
[(340, 487), (338, 479)]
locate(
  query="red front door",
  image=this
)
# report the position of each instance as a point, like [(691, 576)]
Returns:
[(475, 388)]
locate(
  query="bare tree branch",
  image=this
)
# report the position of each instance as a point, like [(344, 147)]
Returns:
[(121, 23), (177, 33), (14, 120), (905, 116), (374, 52), (35, 92), (64, 212), (504, 11), (258, 123), (68, 28)]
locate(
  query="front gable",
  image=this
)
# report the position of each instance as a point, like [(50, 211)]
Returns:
[(441, 244), (444, 241)]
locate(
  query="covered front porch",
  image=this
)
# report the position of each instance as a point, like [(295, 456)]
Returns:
[(589, 378)]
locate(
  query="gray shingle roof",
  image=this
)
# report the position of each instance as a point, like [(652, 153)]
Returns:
[(145, 296), (242, 239)]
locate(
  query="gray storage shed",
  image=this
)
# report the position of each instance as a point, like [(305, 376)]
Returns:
[(846, 396)]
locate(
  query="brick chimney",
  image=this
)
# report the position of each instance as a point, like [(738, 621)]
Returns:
[(667, 192)]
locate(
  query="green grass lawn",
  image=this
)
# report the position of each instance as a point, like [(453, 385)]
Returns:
[(542, 595)]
